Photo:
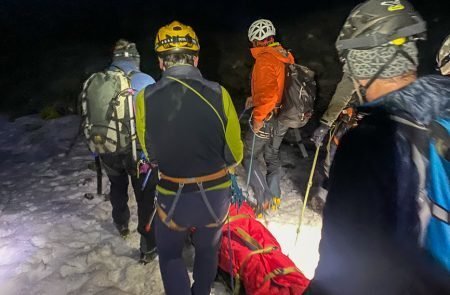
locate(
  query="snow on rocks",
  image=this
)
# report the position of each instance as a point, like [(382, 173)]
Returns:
[(55, 241)]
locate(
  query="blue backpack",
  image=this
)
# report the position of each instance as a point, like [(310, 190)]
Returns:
[(437, 238)]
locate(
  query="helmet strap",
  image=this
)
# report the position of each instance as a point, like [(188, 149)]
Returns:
[(264, 43)]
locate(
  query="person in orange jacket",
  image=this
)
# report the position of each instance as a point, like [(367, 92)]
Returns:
[(266, 133)]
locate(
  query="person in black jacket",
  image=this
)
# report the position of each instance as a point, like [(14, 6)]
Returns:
[(376, 209)]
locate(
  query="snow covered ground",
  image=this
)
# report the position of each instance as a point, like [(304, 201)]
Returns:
[(55, 241)]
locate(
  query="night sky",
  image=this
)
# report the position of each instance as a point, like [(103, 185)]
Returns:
[(50, 46)]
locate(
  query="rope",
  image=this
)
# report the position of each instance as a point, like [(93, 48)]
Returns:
[(251, 160), (230, 249), (236, 192), (238, 197), (242, 114), (201, 97), (308, 188)]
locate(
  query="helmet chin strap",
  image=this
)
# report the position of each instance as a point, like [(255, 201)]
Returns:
[(360, 89)]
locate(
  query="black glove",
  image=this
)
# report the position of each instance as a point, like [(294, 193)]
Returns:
[(319, 134)]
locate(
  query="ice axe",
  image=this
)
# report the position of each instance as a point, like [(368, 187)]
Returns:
[(147, 177), (148, 226)]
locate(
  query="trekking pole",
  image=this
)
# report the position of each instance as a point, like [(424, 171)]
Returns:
[(98, 167), (230, 249), (250, 167), (132, 126), (251, 160), (242, 114), (308, 188)]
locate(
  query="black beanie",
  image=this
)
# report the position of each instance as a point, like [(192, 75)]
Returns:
[(126, 49)]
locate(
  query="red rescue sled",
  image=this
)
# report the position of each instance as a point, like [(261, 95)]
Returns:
[(257, 261)]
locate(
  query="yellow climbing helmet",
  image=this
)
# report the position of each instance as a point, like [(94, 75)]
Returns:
[(176, 37)]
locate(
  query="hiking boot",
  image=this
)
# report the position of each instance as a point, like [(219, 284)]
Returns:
[(123, 230), (276, 203), (261, 210), (148, 257)]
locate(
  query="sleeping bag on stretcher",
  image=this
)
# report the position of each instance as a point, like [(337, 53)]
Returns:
[(258, 264)]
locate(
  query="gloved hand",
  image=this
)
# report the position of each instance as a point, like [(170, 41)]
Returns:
[(263, 129), (257, 125), (249, 102), (319, 134)]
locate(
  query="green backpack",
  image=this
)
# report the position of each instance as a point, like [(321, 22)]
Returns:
[(108, 113)]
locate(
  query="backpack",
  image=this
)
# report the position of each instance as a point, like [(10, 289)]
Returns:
[(431, 156), (298, 96), (108, 112), (437, 238)]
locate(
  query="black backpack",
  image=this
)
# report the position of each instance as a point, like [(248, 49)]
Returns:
[(298, 96)]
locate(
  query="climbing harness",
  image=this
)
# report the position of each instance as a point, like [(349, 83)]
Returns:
[(167, 217), (237, 195)]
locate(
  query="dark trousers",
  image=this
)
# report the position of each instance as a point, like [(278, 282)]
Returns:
[(191, 212), (118, 168), (265, 187)]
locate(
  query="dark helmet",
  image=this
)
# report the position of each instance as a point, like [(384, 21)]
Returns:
[(377, 22)]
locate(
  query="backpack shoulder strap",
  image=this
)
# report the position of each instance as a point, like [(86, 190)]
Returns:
[(440, 139), (129, 74), (418, 137), (417, 134), (88, 82)]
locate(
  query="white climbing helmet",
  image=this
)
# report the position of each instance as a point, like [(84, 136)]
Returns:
[(443, 57), (260, 30)]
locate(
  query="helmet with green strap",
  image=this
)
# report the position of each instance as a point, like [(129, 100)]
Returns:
[(377, 40), (375, 23)]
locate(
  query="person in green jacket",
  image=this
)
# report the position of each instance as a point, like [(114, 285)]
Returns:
[(189, 126), (339, 119)]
